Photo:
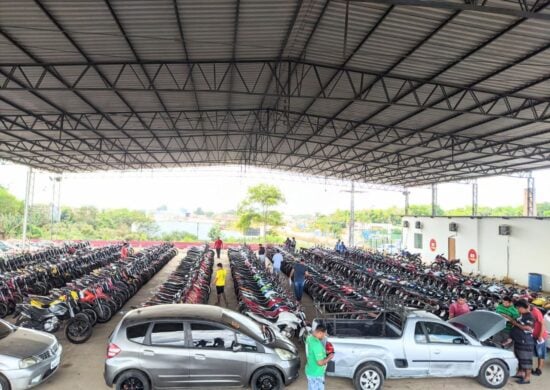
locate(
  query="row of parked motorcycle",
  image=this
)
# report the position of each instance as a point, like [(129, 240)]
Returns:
[(21, 260), (360, 281), (261, 295), (189, 282), (94, 297), (38, 278)]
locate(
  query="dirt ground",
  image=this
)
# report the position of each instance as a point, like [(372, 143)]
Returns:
[(82, 365)]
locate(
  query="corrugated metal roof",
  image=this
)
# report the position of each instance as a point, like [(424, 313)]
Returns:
[(376, 91)]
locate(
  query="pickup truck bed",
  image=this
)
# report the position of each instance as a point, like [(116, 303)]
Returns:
[(361, 328)]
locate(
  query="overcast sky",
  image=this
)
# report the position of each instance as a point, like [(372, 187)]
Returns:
[(221, 188)]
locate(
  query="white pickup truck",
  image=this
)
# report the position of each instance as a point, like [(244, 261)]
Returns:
[(417, 344)]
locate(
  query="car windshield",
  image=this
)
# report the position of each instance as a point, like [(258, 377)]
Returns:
[(239, 321), (464, 329), (5, 330)]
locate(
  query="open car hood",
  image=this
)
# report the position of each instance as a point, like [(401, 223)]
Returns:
[(484, 324)]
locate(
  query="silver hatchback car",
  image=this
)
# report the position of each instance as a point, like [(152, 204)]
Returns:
[(27, 357), (179, 346)]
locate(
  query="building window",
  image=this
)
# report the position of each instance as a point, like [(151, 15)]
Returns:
[(418, 240)]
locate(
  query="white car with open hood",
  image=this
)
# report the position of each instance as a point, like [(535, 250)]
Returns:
[(417, 344)]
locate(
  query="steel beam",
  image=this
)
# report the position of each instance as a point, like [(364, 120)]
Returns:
[(518, 8)]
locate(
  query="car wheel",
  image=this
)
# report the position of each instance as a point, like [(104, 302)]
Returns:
[(132, 380), (267, 379), (493, 374), (4, 384), (368, 377)]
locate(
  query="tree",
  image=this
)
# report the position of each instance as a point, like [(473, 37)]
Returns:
[(258, 207), (425, 210), (199, 211), (11, 213), (215, 232)]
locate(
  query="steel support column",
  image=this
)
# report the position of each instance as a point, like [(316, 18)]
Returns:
[(406, 193), (474, 199), (434, 200), (351, 242), (27, 202), (531, 207)]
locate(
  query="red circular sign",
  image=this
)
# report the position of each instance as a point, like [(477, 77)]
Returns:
[(433, 245), (472, 256)]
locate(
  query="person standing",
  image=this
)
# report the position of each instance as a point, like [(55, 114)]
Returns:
[(287, 244), (221, 275), (506, 308), (277, 262), (317, 359), (261, 256), (540, 334), (337, 246), (299, 273), (522, 334), (261, 252), (218, 245), (459, 307), (124, 251), (293, 245)]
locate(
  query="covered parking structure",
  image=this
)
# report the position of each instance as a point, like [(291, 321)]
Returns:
[(400, 92)]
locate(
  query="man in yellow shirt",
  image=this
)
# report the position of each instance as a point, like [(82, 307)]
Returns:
[(221, 274)]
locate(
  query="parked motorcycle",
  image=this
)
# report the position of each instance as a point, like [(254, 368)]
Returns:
[(55, 314)]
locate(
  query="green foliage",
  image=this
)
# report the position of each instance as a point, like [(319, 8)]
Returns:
[(215, 232), (333, 224), (425, 210), (9, 204), (543, 209), (257, 208), (179, 236)]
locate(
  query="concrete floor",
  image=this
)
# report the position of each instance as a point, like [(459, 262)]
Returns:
[(82, 365)]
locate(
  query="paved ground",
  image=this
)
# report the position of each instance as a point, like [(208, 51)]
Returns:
[(82, 365)]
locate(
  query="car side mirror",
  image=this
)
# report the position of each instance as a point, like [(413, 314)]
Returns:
[(459, 340), (237, 348)]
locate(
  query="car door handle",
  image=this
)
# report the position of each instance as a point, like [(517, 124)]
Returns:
[(200, 357), (437, 352), (148, 352)]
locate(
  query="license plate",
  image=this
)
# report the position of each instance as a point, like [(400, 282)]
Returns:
[(55, 362)]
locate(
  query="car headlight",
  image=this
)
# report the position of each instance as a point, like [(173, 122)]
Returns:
[(28, 362), (284, 354)]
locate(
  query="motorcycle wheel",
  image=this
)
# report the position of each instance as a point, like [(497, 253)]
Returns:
[(92, 316), (3, 310), (78, 329), (103, 312)]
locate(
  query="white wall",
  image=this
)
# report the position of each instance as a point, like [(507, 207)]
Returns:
[(528, 245)]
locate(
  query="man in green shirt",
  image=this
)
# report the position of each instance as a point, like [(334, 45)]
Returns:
[(317, 359), (507, 308)]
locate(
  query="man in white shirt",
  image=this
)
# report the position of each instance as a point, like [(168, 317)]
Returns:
[(277, 261)]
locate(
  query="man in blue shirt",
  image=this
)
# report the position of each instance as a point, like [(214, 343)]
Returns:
[(299, 272)]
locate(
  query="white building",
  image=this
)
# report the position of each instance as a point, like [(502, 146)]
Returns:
[(482, 247)]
